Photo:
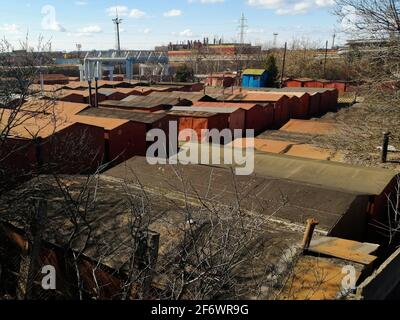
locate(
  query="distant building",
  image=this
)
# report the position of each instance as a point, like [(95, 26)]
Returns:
[(364, 45), (220, 79), (184, 52), (254, 78)]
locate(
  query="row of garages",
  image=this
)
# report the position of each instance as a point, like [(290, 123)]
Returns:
[(341, 86), (117, 129), (81, 141)]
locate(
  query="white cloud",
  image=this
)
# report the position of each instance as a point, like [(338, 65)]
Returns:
[(81, 3), (122, 11), (206, 1), (173, 13), (136, 13), (255, 30), (147, 31), (9, 28), (188, 33), (91, 29), (350, 19), (49, 20), (290, 7)]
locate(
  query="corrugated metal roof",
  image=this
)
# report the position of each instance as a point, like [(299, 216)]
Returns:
[(263, 96), (320, 173), (192, 96), (250, 96), (64, 93), (372, 181), (100, 83), (306, 89), (46, 87), (191, 113), (55, 118), (244, 106), (302, 79), (107, 92), (291, 148), (76, 84), (207, 109), (274, 91), (177, 84), (309, 127), (145, 102), (262, 194), (106, 123), (123, 114), (145, 89), (254, 72), (220, 96)]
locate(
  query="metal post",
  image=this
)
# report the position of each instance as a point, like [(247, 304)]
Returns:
[(90, 93), (283, 65), (385, 146), (97, 93), (311, 224), (223, 83), (326, 57)]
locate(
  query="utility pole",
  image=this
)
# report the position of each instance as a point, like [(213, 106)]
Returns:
[(283, 65), (117, 21), (326, 58), (243, 26), (385, 146), (333, 40)]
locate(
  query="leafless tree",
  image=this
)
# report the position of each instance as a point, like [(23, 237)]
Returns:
[(18, 102), (371, 18), (373, 60)]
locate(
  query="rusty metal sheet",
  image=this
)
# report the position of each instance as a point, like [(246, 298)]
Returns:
[(345, 249), (315, 279), (309, 127)]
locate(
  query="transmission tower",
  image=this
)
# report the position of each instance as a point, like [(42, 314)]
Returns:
[(243, 26), (117, 21)]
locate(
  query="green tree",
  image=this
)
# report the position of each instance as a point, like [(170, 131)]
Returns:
[(272, 68), (184, 74)]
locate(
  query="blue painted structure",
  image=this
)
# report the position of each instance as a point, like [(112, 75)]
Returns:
[(255, 78)]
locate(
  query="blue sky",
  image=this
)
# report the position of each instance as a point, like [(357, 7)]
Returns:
[(154, 22)]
